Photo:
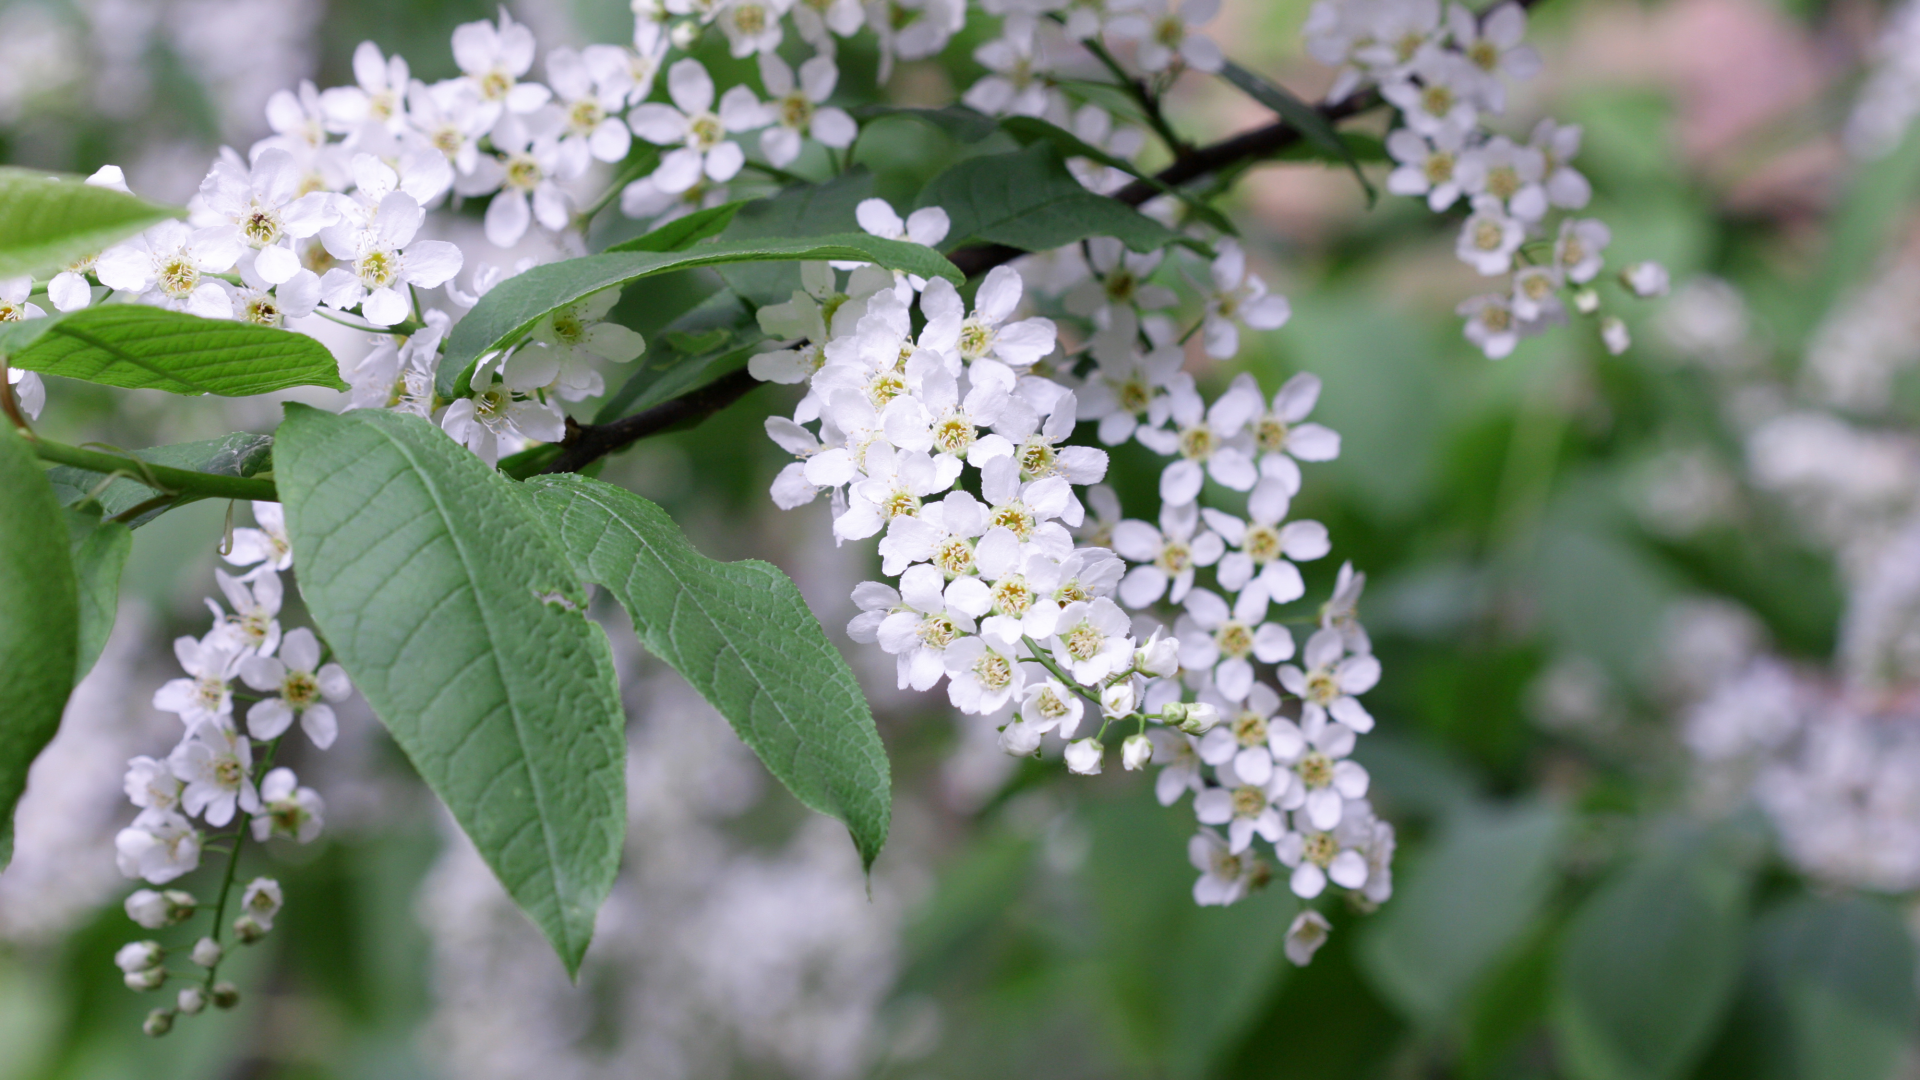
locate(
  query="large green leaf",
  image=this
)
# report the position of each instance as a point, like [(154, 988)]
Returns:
[(1838, 971), (1029, 200), (1031, 129), (150, 348), (507, 313), (1649, 965), (1463, 905), (47, 222), (242, 453), (742, 636), (798, 210), (683, 232), (447, 601), (959, 122), (99, 552), (39, 620)]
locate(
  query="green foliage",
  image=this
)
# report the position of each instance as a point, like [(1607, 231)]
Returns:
[(512, 309), (683, 232), (958, 121), (39, 621), (1031, 129), (1838, 977), (1029, 200), (148, 348), (47, 222), (241, 454), (460, 621), (99, 552), (1649, 965), (1460, 907), (743, 637), (1306, 119)]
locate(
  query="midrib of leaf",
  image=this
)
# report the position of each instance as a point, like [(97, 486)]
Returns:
[(114, 350), (483, 602)]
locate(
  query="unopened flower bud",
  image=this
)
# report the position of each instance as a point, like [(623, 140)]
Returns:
[(1645, 279), (1020, 738), (192, 1000), (225, 995), (1083, 756), (138, 956), (684, 34), (1160, 656), (180, 905), (1117, 700), (1613, 334), (142, 981), (1586, 301), (1199, 719), (149, 909), (1136, 752), (158, 1022), (248, 929), (207, 952)]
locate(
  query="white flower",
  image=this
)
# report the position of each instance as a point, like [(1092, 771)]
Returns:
[(1136, 752), (1558, 143), (261, 901), (1015, 61), (1646, 279), (1244, 807), (1210, 441), (529, 173), (159, 846), (207, 694), (1316, 856), (151, 785), (800, 109), (1341, 611), (1512, 174), (1613, 334), (494, 415), (1238, 297), (1119, 281), (1491, 325), (171, 265), (254, 626), (1083, 756), (13, 300), (1263, 545), (942, 532), (592, 88), (378, 98), (1436, 94), (699, 135), (1169, 554), (1281, 436), (1048, 705), (1429, 165), (913, 29), (896, 483), (1119, 699), (1330, 682), (288, 809), (268, 543), (1253, 739), (1322, 778), (452, 118), (817, 21), (919, 634), (385, 258), (1094, 126), (292, 299), (567, 343), (752, 26), (1159, 657), (1536, 294), (217, 765), (1494, 45), (155, 910), (137, 956), (982, 676), (493, 59), (1165, 36), (1488, 238), (1578, 250), (1179, 765), (926, 226), (1213, 634), (1092, 640), (1305, 935), (1122, 390), (302, 683), (1225, 877)]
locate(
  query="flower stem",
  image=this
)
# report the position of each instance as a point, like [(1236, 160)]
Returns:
[(164, 478), (233, 859)]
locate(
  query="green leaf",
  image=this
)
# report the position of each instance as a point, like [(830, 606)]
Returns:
[(446, 600), (1306, 119), (242, 453), (1839, 972), (39, 620), (798, 210), (742, 636), (48, 222), (1464, 903), (149, 348), (1029, 200), (959, 122), (683, 232), (514, 306), (1030, 129), (99, 552), (1649, 966)]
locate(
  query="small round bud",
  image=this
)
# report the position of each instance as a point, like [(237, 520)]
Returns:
[(149, 909), (1083, 756), (1613, 334), (684, 34), (248, 929), (1019, 738), (180, 905), (142, 981), (1586, 301), (225, 995), (1136, 752), (138, 956), (1646, 279), (1118, 700), (158, 1022), (1199, 718), (192, 1000), (1160, 656), (207, 952)]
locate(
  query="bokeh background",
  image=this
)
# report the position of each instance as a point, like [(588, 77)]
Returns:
[(1650, 626)]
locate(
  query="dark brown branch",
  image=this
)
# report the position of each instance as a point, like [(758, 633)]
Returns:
[(587, 443)]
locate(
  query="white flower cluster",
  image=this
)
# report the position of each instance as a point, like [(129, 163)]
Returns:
[(1446, 73), (1884, 112), (213, 773)]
